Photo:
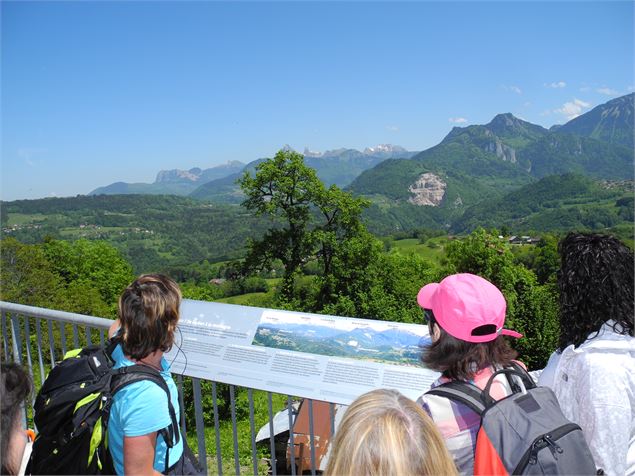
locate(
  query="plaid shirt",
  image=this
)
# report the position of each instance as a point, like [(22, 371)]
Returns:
[(457, 423)]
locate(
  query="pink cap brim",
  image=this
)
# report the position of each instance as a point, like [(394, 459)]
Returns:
[(424, 297), (510, 333)]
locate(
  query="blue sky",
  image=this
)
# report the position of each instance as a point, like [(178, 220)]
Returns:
[(98, 92)]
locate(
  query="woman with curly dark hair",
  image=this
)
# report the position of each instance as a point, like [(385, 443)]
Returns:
[(593, 370)]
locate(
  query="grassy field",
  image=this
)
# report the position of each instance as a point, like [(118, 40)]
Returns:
[(27, 219), (250, 299), (433, 249)]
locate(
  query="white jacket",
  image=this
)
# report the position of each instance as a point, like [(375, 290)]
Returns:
[(595, 385)]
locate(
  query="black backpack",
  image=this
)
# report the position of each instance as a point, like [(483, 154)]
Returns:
[(72, 410), (523, 433)]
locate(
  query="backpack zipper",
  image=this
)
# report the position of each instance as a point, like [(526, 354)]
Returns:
[(544, 441)]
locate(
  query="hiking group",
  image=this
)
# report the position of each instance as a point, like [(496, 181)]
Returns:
[(484, 415)]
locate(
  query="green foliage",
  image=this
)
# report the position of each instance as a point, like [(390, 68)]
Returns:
[(284, 189), (28, 276), (84, 277), (375, 285), (555, 203), (85, 264), (547, 260), (311, 219), (531, 308), (201, 292), (561, 153), (155, 233)]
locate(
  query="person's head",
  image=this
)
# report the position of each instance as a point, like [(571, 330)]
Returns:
[(383, 432), (596, 285), (466, 314), (15, 386), (149, 313)]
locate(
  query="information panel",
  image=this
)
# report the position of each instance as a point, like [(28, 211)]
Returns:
[(307, 355)]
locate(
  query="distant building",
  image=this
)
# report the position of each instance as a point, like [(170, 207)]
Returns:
[(522, 240)]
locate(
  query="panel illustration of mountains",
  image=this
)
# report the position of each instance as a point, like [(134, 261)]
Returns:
[(392, 346)]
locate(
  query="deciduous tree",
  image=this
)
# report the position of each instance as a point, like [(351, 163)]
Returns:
[(309, 221)]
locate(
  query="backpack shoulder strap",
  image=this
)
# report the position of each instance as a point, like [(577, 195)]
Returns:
[(461, 392), (514, 370), (127, 375), (124, 376), (111, 344)]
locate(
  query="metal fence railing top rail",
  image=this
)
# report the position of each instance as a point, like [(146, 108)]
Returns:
[(225, 418)]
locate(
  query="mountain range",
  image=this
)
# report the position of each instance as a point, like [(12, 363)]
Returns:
[(480, 166), (173, 182), (485, 162), (339, 167)]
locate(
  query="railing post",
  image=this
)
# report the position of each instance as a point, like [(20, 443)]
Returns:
[(272, 436), (291, 436), (252, 430), (312, 437), (15, 334), (40, 359), (49, 325), (5, 337), (219, 456), (200, 426), (232, 401)]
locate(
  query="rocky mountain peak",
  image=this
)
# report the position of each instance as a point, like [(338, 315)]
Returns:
[(177, 174), (611, 122), (381, 150), (507, 126), (311, 153), (507, 122), (386, 148)]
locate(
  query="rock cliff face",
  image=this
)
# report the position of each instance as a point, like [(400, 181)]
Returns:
[(428, 190), (501, 150), (176, 175)]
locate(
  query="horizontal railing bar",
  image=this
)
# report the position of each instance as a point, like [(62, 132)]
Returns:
[(17, 332), (64, 316)]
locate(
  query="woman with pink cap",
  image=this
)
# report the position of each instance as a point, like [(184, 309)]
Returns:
[(465, 315)]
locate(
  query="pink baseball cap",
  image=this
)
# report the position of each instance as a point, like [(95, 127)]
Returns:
[(467, 307)]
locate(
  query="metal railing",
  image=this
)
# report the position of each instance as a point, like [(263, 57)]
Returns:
[(37, 338)]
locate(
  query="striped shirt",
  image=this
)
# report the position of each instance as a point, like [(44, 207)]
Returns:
[(459, 424)]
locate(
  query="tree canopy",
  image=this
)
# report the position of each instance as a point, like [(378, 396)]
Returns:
[(309, 220)]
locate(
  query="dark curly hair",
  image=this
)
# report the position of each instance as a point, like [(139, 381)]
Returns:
[(596, 285), (15, 387)]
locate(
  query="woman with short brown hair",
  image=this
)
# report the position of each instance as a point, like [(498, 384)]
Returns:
[(148, 315)]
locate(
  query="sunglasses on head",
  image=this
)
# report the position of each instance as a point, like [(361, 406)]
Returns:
[(428, 316)]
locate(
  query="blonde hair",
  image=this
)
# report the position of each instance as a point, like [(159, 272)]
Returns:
[(385, 433)]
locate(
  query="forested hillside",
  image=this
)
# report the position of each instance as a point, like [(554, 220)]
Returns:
[(555, 203), (476, 164), (169, 232), (152, 232)]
